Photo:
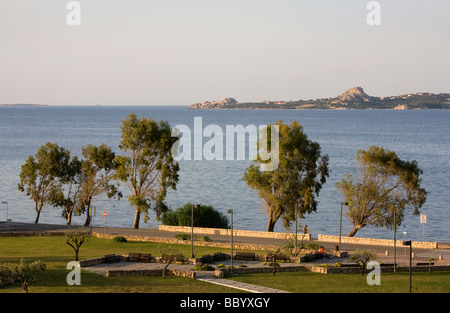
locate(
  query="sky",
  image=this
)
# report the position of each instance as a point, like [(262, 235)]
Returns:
[(179, 52)]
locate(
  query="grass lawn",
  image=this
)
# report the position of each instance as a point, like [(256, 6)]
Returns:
[(307, 282), (56, 253)]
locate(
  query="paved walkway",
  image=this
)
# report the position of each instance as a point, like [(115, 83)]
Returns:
[(210, 278)]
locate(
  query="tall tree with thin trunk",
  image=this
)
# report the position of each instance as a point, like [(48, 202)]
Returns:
[(147, 166), (292, 187), (40, 175), (385, 184), (98, 168)]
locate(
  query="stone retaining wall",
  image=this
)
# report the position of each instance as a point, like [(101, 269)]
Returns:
[(375, 242), (156, 272), (324, 270), (242, 246), (236, 232)]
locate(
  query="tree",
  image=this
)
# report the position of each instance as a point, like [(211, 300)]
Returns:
[(292, 187), (362, 257), (204, 216), (27, 272), (68, 199), (272, 255), (148, 167), (169, 255), (97, 170), (385, 185), (40, 175), (75, 239)]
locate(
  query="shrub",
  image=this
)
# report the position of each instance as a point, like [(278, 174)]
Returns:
[(183, 236), (204, 267), (204, 216), (119, 239)]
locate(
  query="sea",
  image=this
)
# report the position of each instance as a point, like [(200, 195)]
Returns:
[(421, 135)]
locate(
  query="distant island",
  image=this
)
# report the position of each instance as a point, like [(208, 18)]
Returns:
[(354, 98), (23, 105)]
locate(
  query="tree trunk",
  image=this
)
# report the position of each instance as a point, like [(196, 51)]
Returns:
[(38, 213), (37, 217), (270, 224), (272, 220), (354, 230), (88, 216), (69, 217), (137, 217)]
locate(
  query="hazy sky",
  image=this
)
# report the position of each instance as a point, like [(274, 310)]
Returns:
[(178, 52)]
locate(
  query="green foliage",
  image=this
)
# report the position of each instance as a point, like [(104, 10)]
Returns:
[(41, 174), (75, 239), (293, 186), (385, 185), (26, 272), (204, 267), (204, 216), (183, 236), (147, 166), (362, 257), (119, 239)]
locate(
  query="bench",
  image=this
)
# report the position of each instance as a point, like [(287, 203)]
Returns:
[(139, 257), (425, 264), (281, 257), (111, 258), (244, 256)]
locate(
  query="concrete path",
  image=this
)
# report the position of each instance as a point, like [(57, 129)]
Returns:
[(210, 278)]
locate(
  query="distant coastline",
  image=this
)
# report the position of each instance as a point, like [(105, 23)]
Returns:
[(24, 105), (352, 99)]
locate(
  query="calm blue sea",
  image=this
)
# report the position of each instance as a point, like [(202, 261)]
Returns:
[(414, 135)]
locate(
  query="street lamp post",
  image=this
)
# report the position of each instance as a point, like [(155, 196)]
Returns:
[(7, 224), (409, 243), (192, 228), (340, 225), (6, 202), (231, 213), (395, 243)]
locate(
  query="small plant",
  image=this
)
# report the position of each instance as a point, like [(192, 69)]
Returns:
[(221, 266), (204, 267), (119, 239), (312, 246), (362, 257), (242, 265), (75, 238), (337, 264), (27, 272), (168, 255), (183, 236)]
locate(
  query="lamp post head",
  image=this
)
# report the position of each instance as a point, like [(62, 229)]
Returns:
[(230, 211), (344, 203), (4, 202)]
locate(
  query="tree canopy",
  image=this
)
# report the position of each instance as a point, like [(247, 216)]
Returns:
[(292, 187), (147, 166), (384, 185), (41, 174)]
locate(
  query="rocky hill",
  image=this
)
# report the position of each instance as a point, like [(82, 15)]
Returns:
[(354, 98)]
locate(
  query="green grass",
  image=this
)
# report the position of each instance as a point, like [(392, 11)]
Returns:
[(56, 253), (307, 282)]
